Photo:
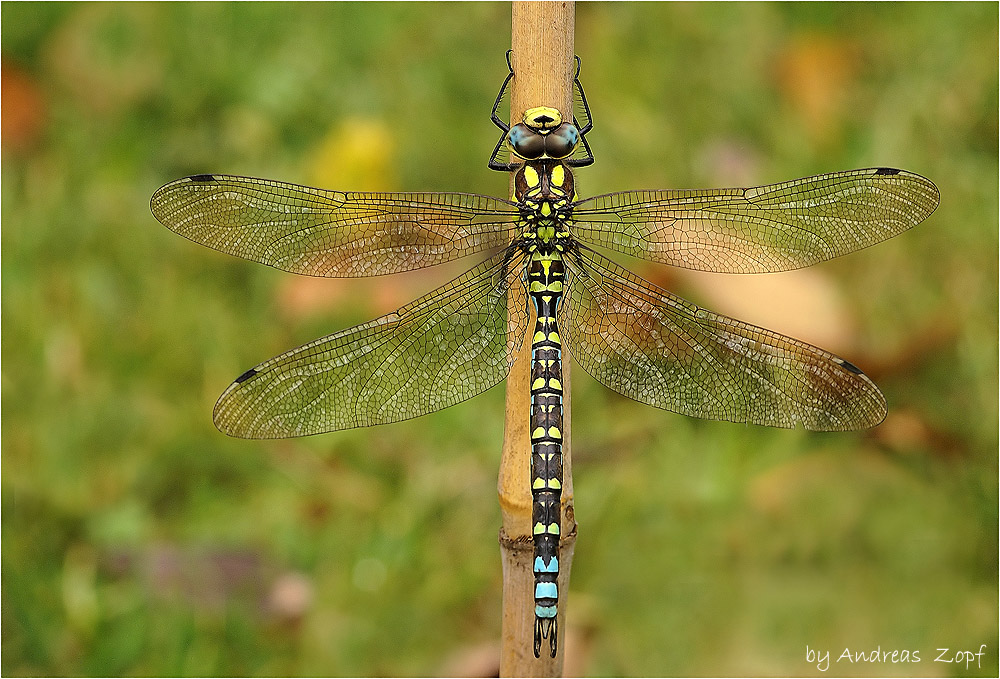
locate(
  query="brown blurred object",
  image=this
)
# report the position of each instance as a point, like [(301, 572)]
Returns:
[(814, 72), (211, 578), (290, 597), (303, 296), (582, 625), (906, 432), (805, 304), (206, 578), (306, 296), (939, 334), (775, 492), (23, 112), (481, 660), (814, 479), (64, 357)]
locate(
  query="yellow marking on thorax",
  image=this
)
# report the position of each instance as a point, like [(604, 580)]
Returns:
[(558, 175)]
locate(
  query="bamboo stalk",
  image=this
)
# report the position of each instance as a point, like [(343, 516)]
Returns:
[(542, 40)]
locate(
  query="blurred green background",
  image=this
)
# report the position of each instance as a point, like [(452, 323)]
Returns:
[(137, 540)]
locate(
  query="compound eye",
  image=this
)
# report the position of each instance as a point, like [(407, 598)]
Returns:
[(562, 141), (525, 142)]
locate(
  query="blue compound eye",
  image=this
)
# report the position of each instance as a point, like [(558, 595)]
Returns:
[(562, 141), (525, 142)]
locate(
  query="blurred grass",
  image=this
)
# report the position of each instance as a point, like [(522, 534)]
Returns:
[(140, 541)]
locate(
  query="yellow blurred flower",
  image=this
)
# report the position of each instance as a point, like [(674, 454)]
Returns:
[(356, 155)]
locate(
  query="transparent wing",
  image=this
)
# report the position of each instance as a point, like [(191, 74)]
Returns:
[(762, 229), (656, 348), (446, 347), (331, 233)]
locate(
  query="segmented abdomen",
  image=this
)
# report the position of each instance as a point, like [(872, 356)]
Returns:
[(545, 276)]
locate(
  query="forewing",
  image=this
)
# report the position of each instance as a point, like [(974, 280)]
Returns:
[(331, 233), (762, 229), (448, 346), (656, 348)]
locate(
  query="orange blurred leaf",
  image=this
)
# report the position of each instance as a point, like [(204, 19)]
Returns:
[(23, 109)]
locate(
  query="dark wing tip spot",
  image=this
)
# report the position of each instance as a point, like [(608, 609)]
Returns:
[(202, 178), (253, 371), (850, 367), (886, 170)]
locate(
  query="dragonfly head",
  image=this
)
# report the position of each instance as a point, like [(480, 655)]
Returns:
[(542, 118), (543, 134)]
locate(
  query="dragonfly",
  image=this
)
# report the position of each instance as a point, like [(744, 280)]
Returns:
[(462, 338)]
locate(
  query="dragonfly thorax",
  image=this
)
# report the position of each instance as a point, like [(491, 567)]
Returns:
[(545, 181), (544, 191)]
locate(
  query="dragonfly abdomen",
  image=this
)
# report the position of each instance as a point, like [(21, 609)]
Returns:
[(543, 190), (545, 277)]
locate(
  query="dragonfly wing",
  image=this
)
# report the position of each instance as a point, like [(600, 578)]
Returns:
[(331, 233), (446, 347), (656, 348), (761, 229)]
